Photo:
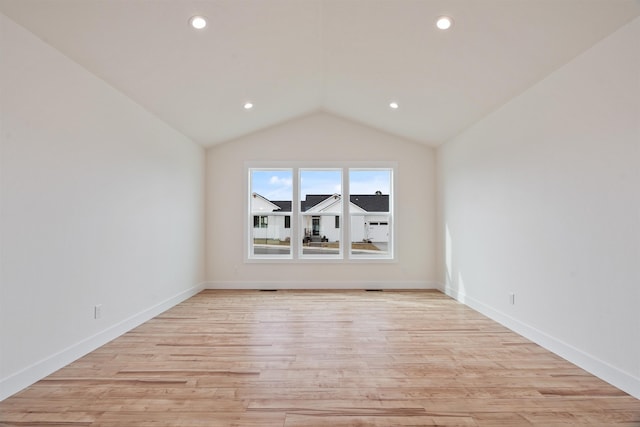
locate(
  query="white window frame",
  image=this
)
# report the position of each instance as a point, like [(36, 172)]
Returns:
[(297, 230), (302, 215)]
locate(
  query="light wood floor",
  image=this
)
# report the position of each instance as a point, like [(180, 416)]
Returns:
[(316, 358)]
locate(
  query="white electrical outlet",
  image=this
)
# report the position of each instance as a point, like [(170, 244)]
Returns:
[(97, 311), (512, 298)]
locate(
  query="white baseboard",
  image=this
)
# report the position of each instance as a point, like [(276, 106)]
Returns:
[(247, 285), (601, 369), (31, 374)]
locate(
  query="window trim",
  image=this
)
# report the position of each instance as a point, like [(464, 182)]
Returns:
[(302, 215), (295, 253)]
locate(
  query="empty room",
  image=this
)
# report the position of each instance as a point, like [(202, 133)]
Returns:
[(319, 212)]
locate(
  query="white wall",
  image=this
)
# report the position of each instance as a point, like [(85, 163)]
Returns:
[(542, 199), (321, 137), (101, 203)]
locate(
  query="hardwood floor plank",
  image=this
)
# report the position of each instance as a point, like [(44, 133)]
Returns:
[(320, 420), (320, 358)]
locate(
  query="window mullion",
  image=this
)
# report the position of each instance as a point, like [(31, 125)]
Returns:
[(346, 226), (296, 222)]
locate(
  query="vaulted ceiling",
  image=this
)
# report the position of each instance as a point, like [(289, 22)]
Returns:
[(347, 57)]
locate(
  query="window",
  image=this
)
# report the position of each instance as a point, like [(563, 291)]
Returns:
[(370, 213), (260, 221), (320, 198), (270, 206), (312, 227)]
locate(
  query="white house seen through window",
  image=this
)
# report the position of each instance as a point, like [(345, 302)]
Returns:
[(326, 213)]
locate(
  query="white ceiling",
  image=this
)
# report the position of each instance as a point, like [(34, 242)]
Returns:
[(347, 57)]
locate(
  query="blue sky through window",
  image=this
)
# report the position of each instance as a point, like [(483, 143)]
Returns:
[(369, 181), (272, 184), (278, 184), (320, 182)]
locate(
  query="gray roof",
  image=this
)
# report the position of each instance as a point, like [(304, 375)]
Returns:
[(371, 202), (285, 206), (368, 202)]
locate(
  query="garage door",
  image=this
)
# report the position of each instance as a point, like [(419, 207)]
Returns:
[(379, 231)]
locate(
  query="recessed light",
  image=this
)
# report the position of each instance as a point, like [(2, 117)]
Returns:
[(444, 22), (248, 105), (198, 22), (393, 105)]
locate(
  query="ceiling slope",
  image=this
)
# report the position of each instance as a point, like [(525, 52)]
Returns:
[(347, 57)]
